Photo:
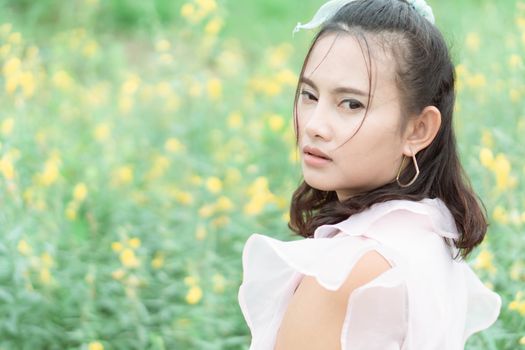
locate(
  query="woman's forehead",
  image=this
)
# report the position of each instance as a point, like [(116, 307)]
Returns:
[(338, 58)]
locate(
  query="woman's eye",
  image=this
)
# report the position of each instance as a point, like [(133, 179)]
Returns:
[(353, 104), (308, 95)]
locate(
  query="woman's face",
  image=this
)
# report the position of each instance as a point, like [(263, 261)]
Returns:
[(331, 106)]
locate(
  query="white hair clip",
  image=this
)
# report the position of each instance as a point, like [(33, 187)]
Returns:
[(330, 8), (423, 9)]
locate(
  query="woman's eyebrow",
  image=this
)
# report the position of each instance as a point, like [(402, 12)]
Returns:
[(336, 90)]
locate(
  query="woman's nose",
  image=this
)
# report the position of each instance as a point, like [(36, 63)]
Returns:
[(318, 123)]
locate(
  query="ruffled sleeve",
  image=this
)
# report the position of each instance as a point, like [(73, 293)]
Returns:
[(376, 315), (483, 305)]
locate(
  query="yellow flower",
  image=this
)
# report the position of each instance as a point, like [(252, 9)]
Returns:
[(484, 261), (6, 28), (224, 204), (473, 41), (486, 158), (15, 38), (214, 88), (206, 210), (116, 246), (89, 277), (62, 80), (194, 295), (6, 167), (233, 176), (461, 70), (4, 50), (172, 103), (45, 276), (47, 260), (520, 20), (190, 281), (515, 61), (187, 10), (90, 48), (102, 131), (158, 261), (133, 281), (123, 175), (162, 45), (271, 88), (518, 304), (286, 76), (230, 61), (221, 221), (514, 95), (134, 243), (195, 89), (281, 201), (500, 215), (214, 184), (24, 248), (166, 58), (27, 82), (164, 89), (118, 274), (477, 81), (130, 85), (502, 169), (32, 52), (259, 195), (218, 283), (200, 232), (71, 210), (235, 120), (125, 104), (95, 345), (12, 66), (160, 165), (182, 197), (139, 197), (279, 55), (522, 339), (50, 173), (207, 6), (129, 259), (7, 126), (214, 26), (276, 122), (11, 83), (516, 270), (173, 145), (254, 207), (80, 192), (515, 217), (195, 180)]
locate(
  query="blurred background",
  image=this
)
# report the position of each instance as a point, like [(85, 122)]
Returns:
[(142, 142)]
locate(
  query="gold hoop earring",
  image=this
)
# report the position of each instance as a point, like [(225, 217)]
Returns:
[(399, 172)]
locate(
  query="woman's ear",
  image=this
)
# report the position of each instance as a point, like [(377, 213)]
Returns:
[(421, 130)]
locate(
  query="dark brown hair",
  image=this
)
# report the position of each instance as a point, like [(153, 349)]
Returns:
[(424, 76)]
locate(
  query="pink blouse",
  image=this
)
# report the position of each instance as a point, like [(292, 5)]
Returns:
[(427, 300)]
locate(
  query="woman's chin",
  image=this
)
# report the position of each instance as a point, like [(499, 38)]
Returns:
[(318, 184)]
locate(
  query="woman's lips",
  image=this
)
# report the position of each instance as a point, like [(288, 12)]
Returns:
[(315, 152), (315, 161)]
